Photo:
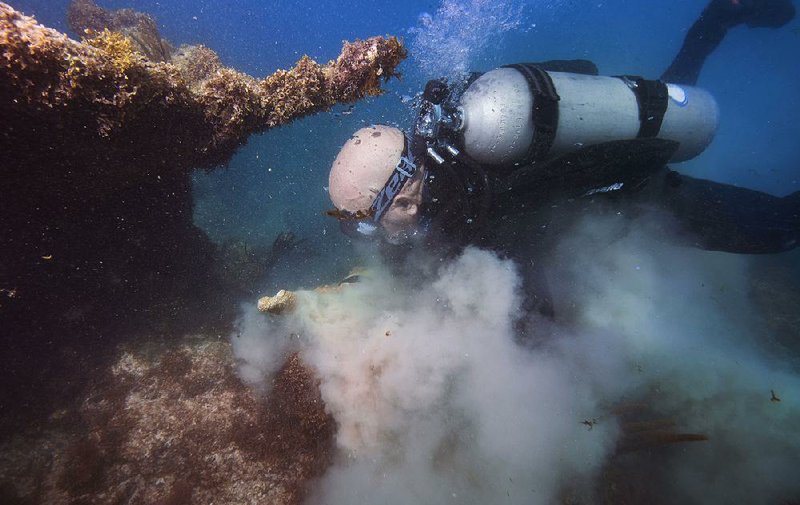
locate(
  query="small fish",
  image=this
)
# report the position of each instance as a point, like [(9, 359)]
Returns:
[(346, 112), (774, 396), (47, 257)]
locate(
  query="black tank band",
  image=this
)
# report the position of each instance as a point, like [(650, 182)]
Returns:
[(545, 110), (652, 98)]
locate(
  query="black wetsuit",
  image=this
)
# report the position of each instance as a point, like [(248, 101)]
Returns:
[(711, 215), (467, 205)]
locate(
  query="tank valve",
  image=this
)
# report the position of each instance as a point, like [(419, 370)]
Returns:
[(452, 150), (435, 156)]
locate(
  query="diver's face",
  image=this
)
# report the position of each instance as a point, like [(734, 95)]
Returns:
[(402, 217)]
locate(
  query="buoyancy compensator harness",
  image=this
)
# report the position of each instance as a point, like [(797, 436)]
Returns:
[(544, 112), (457, 195)]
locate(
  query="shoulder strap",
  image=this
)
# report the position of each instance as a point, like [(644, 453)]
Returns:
[(545, 109), (652, 98)]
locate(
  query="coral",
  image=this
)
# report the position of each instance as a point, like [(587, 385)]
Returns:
[(108, 104), (293, 427), (282, 303), (139, 28), (118, 48), (172, 424), (196, 63), (361, 65), (86, 15), (285, 302), (85, 465)]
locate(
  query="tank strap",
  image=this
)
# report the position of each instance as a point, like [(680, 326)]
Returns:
[(652, 98), (545, 109)]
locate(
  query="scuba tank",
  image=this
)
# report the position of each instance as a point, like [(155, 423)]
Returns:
[(522, 114)]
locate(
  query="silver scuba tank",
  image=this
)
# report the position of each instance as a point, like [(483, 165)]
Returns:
[(504, 117)]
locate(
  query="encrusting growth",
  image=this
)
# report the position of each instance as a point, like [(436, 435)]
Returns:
[(138, 27), (123, 82)]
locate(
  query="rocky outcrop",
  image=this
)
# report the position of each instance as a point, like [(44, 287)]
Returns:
[(99, 138), (172, 424), (125, 111)]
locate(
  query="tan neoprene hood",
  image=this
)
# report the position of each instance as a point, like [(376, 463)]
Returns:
[(363, 166)]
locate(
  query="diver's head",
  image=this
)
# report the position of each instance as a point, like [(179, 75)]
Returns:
[(375, 185)]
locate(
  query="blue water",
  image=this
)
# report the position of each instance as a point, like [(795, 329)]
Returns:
[(276, 182)]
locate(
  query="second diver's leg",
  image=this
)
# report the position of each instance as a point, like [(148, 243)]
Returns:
[(708, 31), (721, 217), (704, 36)]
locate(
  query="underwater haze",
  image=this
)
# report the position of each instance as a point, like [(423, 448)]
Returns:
[(434, 396)]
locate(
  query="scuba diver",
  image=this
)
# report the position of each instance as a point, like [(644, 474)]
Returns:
[(525, 138)]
